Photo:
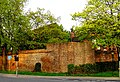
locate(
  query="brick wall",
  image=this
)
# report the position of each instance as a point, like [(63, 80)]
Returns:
[(57, 56), (28, 59), (70, 53)]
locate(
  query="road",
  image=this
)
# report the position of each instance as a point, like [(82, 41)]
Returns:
[(38, 79)]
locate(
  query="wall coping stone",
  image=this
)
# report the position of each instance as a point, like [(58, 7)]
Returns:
[(34, 51)]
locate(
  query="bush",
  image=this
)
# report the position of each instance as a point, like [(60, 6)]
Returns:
[(107, 66), (90, 68), (93, 68), (81, 69), (71, 69)]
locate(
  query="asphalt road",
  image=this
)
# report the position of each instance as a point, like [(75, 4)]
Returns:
[(36, 79)]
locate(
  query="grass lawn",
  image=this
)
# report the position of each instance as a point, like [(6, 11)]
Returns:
[(102, 74)]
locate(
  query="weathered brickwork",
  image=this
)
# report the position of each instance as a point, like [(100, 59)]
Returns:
[(70, 53), (0, 62), (103, 57), (28, 59), (57, 56)]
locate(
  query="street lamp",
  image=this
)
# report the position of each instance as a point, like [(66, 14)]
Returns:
[(112, 52), (16, 60), (119, 60), (16, 57)]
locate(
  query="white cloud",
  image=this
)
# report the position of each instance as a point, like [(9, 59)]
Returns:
[(62, 8)]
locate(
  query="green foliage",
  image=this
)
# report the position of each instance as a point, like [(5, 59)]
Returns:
[(13, 24), (99, 21), (52, 33), (101, 74), (44, 29), (89, 68), (18, 30), (85, 69), (41, 18), (92, 68), (70, 69), (107, 66)]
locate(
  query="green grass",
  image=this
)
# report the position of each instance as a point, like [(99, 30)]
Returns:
[(42, 74), (7, 72), (102, 74), (107, 74)]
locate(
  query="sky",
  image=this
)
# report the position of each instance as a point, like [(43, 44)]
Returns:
[(59, 8)]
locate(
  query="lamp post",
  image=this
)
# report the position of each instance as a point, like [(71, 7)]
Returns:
[(16, 60), (112, 55), (112, 52), (118, 49)]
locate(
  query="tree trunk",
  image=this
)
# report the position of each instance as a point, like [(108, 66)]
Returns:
[(4, 59)]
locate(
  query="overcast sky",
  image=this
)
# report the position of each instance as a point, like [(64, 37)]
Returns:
[(62, 8)]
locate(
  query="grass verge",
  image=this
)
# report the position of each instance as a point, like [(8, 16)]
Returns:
[(102, 74)]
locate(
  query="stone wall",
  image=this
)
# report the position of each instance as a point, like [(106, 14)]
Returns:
[(28, 59), (57, 56), (70, 53)]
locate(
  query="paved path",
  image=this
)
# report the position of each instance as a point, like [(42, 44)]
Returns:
[(29, 78)]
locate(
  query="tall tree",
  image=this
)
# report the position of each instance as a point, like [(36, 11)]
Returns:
[(41, 18), (45, 29), (52, 33), (12, 24), (100, 21)]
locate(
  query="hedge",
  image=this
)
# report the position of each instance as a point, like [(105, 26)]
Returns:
[(93, 68)]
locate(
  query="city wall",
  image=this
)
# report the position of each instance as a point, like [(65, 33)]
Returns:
[(56, 57)]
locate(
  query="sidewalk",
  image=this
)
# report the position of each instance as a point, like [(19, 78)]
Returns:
[(58, 77)]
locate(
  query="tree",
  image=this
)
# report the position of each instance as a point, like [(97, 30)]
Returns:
[(100, 21), (12, 24), (41, 18), (45, 29), (52, 33)]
